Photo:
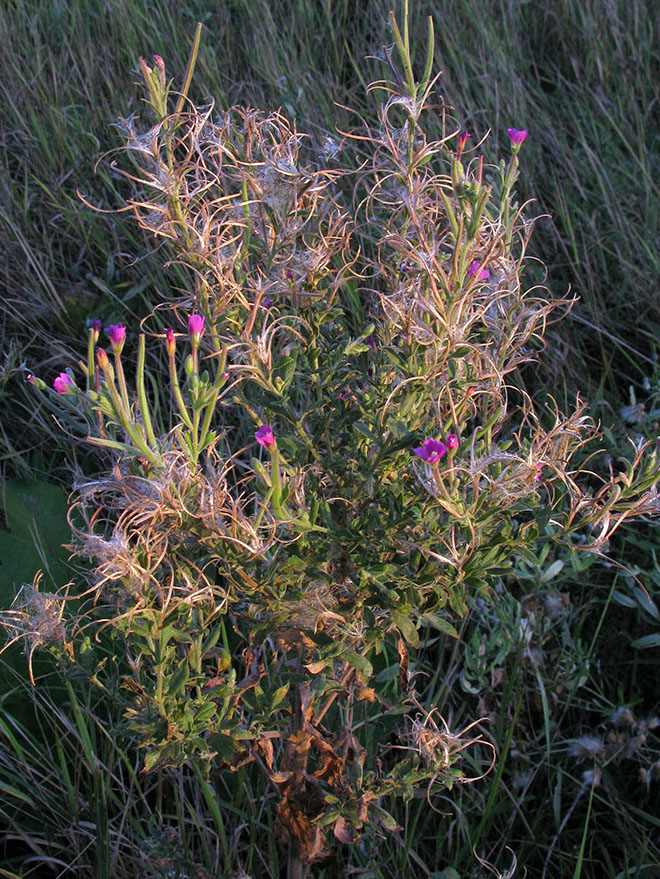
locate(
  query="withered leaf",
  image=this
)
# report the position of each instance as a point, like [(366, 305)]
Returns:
[(265, 748), (403, 666), (297, 828), (332, 765), (281, 777), (367, 694), (306, 709), (343, 832)]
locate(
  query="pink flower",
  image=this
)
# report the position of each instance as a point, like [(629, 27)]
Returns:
[(431, 450), (452, 442), (264, 436), (196, 327), (64, 384), (117, 335), (96, 329), (475, 269), (517, 135)]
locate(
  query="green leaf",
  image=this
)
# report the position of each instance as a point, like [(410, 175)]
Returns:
[(646, 603), (178, 679), (407, 628), (151, 760), (210, 641), (439, 623), (551, 572), (358, 346), (283, 373), (360, 663), (647, 642), (387, 820), (205, 713), (624, 600), (278, 696)]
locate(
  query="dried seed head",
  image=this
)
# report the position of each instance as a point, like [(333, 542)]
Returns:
[(587, 747), (592, 777), (35, 617), (623, 716)]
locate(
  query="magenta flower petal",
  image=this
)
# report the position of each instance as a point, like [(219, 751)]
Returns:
[(196, 326), (117, 335), (452, 442), (475, 269), (64, 384), (517, 135), (264, 436), (431, 451)]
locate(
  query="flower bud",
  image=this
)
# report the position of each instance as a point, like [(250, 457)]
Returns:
[(170, 342), (102, 359), (37, 382), (196, 327), (462, 140)]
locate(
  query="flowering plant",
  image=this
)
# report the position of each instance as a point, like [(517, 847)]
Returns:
[(334, 468)]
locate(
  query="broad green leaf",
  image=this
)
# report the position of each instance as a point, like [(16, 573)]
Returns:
[(439, 623), (406, 627), (360, 663)]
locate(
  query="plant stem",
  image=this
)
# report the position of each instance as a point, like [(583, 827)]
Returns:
[(295, 867)]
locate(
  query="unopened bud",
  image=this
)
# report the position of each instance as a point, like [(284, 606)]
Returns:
[(170, 342), (102, 359)]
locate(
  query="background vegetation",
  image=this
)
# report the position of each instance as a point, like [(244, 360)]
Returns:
[(566, 664)]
